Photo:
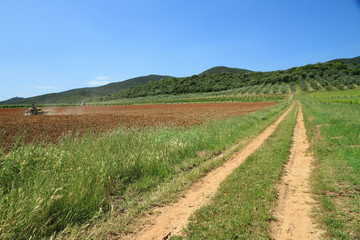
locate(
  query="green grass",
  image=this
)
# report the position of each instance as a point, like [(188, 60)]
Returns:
[(334, 132), (242, 207), (46, 189), (351, 96)]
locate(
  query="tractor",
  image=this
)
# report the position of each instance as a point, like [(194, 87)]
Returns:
[(33, 110)]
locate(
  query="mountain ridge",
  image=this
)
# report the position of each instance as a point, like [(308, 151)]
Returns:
[(347, 60), (78, 95), (213, 79)]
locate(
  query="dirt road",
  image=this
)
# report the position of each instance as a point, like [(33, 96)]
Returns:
[(295, 202), (173, 218)]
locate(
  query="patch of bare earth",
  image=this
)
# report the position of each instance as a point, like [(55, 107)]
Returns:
[(78, 120), (171, 219), (295, 202)]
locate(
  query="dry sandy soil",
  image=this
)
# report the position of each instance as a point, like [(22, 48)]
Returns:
[(295, 201), (65, 120)]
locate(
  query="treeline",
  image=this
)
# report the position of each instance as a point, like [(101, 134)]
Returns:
[(317, 76)]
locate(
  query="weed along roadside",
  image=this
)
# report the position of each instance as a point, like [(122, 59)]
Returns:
[(334, 133), (98, 186), (174, 217)]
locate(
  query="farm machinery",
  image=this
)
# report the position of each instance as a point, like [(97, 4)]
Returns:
[(33, 110)]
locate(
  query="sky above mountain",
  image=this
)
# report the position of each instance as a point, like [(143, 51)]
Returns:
[(52, 46)]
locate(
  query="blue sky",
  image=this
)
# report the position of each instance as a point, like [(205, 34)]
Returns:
[(51, 46)]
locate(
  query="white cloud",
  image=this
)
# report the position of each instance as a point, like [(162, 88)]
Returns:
[(102, 78), (97, 83)]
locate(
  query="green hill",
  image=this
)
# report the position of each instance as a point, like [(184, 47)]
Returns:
[(222, 69), (76, 96), (347, 60), (335, 74), (13, 100), (329, 75)]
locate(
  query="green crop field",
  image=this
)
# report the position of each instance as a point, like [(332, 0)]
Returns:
[(234, 95), (351, 96)]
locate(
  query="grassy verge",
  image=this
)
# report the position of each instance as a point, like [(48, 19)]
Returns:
[(334, 132), (241, 209), (44, 190)]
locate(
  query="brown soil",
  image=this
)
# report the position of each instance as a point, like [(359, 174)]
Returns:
[(65, 120), (295, 202), (171, 219)]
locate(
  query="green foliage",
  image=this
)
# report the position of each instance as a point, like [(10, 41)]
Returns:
[(347, 60), (337, 84), (218, 81), (284, 88), (275, 88), (322, 82), (313, 84), (222, 69), (233, 95), (267, 88), (259, 88), (303, 85), (293, 87)]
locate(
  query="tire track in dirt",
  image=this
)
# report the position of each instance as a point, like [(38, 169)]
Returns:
[(171, 219), (295, 201)]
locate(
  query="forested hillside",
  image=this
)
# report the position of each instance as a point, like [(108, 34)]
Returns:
[(327, 76)]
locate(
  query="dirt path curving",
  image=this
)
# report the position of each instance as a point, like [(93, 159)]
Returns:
[(171, 219), (295, 202)]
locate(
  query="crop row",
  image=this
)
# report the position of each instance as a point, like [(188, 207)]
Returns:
[(233, 95), (351, 96)]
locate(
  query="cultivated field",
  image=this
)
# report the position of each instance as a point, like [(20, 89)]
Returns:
[(351, 96), (122, 184), (65, 120)]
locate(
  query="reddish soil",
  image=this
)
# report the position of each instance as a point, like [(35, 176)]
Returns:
[(70, 120)]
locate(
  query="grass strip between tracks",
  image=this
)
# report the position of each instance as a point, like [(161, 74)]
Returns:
[(44, 190), (242, 207), (334, 134)]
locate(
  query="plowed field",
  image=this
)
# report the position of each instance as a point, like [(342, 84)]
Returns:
[(71, 120)]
